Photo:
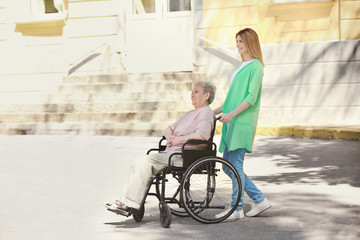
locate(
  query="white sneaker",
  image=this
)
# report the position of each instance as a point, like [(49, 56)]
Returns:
[(114, 208), (237, 214), (259, 208), (121, 205), (110, 206)]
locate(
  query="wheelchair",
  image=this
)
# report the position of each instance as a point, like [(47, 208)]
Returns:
[(201, 188)]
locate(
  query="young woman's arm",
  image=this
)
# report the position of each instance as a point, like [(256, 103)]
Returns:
[(226, 118), (218, 110)]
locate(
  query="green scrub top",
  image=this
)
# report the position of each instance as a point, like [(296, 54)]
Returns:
[(246, 86)]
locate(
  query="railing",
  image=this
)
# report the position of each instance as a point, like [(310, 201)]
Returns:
[(87, 57), (221, 48)]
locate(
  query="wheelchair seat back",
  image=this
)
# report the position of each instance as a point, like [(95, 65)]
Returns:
[(208, 148), (190, 156)]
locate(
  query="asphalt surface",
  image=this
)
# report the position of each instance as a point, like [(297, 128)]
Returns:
[(53, 187)]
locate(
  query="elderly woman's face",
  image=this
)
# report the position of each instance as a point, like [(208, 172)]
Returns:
[(199, 98)]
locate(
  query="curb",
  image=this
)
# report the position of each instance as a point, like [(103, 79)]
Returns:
[(311, 132), (328, 133)]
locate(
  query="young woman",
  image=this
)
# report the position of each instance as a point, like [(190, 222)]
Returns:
[(240, 116)]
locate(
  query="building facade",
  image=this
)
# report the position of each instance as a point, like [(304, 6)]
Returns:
[(311, 49)]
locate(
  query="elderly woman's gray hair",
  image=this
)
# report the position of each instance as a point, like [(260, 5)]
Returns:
[(208, 88)]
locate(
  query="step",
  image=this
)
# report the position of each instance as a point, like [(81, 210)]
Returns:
[(135, 77), (131, 104), (90, 117), (102, 107), (119, 97), (129, 129), (153, 87)]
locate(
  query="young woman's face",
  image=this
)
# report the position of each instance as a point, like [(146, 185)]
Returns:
[(198, 97), (240, 45)]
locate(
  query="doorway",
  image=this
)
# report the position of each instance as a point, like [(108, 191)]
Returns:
[(159, 35)]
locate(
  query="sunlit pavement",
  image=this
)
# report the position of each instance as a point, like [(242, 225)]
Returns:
[(53, 187)]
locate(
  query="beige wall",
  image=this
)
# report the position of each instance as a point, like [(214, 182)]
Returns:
[(282, 23), (85, 28), (311, 53), (37, 52)]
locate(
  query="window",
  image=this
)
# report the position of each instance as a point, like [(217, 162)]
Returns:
[(179, 5), (143, 6), (41, 17), (39, 7), (149, 6)]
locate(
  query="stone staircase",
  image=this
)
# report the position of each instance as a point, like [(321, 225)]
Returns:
[(127, 104)]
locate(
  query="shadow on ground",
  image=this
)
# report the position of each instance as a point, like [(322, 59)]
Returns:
[(330, 161)]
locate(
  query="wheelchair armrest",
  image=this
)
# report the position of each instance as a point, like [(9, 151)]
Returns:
[(162, 139), (152, 149), (197, 142), (160, 147)]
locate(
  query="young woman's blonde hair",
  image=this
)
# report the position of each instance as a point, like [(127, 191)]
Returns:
[(252, 43)]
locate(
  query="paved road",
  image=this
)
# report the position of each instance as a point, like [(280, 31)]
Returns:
[(53, 187)]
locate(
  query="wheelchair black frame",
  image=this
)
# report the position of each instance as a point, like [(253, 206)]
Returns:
[(177, 172)]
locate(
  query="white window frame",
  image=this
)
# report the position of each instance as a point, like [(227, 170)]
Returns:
[(141, 16), (25, 14), (160, 11), (175, 14)]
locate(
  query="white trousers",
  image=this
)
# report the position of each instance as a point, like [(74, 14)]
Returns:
[(140, 175)]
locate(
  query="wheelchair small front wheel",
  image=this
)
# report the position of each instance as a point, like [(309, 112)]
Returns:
[(165, 215), (172, 195), (139, 214)]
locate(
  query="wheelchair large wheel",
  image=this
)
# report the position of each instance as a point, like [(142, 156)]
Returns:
[(206, 190), (172, 195)]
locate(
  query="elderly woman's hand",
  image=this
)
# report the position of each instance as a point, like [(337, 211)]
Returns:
[(171, 141), (168, 135), (174, 141)]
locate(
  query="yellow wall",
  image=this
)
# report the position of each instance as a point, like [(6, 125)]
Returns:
[(282, 23), (349, 19), (222, 19)]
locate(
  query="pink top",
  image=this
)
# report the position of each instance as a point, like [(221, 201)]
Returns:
[(200, 121)]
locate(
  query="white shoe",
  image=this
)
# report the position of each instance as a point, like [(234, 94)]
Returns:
[(121, 205), (114, 208), (237, 214), (110, 206), (259, 208)]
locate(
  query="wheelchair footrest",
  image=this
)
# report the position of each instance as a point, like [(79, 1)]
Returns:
[(120, 212)]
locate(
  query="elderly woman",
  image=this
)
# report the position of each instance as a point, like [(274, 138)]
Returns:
[(195, 124)]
